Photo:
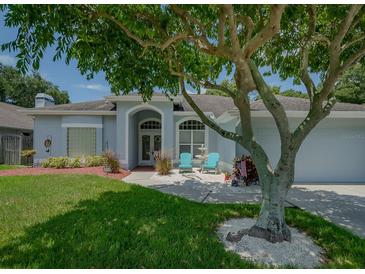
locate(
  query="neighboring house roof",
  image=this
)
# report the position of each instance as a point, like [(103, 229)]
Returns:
[(301, 104), (11, 117)]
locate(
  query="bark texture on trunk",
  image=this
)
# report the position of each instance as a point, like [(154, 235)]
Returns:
[(271, 223)]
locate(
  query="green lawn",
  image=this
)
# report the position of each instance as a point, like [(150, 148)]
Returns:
[(84, 221), (4, 167)]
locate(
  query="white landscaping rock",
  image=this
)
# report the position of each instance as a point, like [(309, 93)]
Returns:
[(301, 252)]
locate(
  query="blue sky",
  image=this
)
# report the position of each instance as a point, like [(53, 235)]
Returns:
[(68, 77)]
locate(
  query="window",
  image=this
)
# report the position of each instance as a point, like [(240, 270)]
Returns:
[(151, 125), (81, 141), (191, 137)]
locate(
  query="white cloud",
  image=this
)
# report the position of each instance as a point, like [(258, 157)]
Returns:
[(98, 87), (8, 60)]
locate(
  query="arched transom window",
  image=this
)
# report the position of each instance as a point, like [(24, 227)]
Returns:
[(191, 137), (151, 124)]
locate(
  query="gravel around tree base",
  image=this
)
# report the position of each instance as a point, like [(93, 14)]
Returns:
[(301, 252)]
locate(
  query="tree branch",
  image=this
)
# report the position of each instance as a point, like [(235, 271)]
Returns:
[(145, 44), (351, 43), (248, 23), (224, 133), (273, 106), (221, 25), (304, 74), (233, 28), (335, 46), (353, 59), (205, 83), (269, 30), (345, 25), (200, 39)]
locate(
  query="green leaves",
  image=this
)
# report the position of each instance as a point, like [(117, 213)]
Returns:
[(20, 89), (351, 87), (101, 43)]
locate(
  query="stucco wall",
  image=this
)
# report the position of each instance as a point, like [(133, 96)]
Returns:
[(225, 147), (55, 128), (109, 133), (333, 152), (47, 127)]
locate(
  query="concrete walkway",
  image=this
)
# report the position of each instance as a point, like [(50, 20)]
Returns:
[(341, 204)]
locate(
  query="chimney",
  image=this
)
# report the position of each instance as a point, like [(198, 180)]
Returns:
[(43, 100)]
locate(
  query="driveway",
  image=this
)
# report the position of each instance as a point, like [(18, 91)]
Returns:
[(344, 204), (341, 204)]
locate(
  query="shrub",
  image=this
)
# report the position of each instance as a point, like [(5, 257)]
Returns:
[(92, 161), (27, 153), (75, 163), (111, 161), (46, 163), (56, 162), (163, 163)]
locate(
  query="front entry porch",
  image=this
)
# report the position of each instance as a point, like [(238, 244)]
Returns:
[(145, 137)]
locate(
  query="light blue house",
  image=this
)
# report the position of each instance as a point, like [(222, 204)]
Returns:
[(134, 130)]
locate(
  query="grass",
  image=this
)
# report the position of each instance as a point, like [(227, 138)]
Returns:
[(84, 221), (5, 167)]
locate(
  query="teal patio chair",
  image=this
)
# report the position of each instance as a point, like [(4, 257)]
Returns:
[(186, 162), (212, 162)]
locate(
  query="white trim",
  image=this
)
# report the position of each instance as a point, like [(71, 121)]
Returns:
[(148, 119), (296, 114), (193, 113), (82, 125), (67, 112), (135, 109), (177, 133)]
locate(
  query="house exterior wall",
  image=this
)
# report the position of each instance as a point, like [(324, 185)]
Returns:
[(226, 147), (55, 127), (47, 127), (333, 152), (109, 133)]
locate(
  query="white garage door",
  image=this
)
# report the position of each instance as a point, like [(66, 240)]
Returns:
[(333, 152)]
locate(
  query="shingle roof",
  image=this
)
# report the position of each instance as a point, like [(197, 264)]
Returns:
[(211, 103), (301, 104), (100, 105), (11, 117)]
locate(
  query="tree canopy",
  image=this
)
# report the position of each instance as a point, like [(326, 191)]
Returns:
[(20, 90)]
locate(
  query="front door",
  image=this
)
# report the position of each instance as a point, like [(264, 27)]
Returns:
[(149, 144)]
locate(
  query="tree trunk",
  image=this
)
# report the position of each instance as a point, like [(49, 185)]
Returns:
[(271, 223)]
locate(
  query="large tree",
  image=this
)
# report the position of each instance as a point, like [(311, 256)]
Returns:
[(20, 90), (140, 47)]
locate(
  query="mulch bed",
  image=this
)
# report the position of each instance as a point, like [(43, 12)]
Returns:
[(83, 170)]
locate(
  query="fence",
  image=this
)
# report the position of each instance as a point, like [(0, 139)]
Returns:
[(11, 147)]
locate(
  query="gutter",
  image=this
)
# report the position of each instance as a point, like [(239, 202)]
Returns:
[(68, 112), (294, 114)]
